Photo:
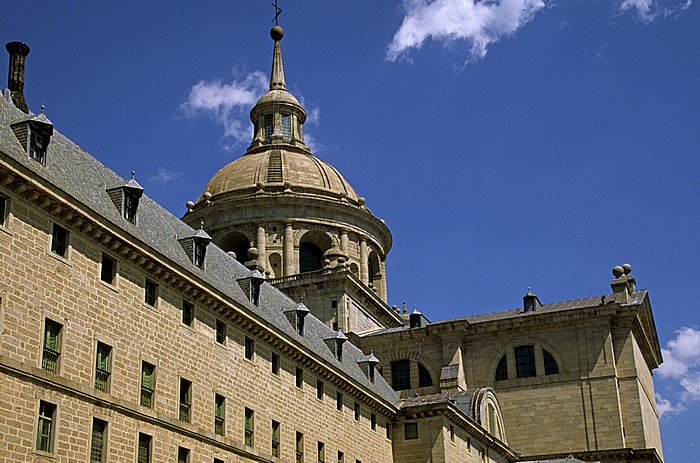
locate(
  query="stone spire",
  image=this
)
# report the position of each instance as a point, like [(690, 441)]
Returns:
[(277, 74)]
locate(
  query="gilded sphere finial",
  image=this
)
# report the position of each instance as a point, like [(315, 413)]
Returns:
[(276, 33)]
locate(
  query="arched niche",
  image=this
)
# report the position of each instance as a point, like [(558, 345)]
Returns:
[(238, 243), (275, 267), (312, 245)]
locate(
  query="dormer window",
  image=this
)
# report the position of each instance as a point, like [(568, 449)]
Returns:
[(131, 204), (286, 127), (126, 198), (37, 147), (269, 125), (34, 134), (195, 246), (199, 252), (296, 317), (335, 344)]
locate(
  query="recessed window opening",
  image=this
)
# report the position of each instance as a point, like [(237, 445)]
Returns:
[(274, 364), (199, 252), (150, 293), (275, 438), (269, 125), (108, 269), (219, 414), (300, 447), (185, 399), (102, 367), (220, 331), (286, 126), (183, 455), (550, 365), (148, 384), (98, 441), (3, 210), (401, 375), (144, 449), (249, 348), (59, 241), (525, 361), (46, 429), (410, 431), (187, 313), (52, 346), (131, 205), (310, 257), (249, 427), (424, 378), (502, 369), (37, 147)]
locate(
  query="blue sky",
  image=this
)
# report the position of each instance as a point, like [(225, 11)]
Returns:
[(506, 145)]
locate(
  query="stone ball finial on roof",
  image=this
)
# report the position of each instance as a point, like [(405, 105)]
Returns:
[(189, 205), (276, 33), (206, 195), (253, 253), (618, 271), (627, 268)]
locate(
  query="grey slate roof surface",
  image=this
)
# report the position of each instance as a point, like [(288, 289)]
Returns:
[(461, 399), (81, 176), (637, 297)]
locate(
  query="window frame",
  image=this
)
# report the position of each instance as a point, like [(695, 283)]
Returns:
[(249, 427), (410, 430), (320, 389), (249, 348), (148, 440), (4, 211), (219, 415), (183, 451), (299, 447), (145, 391), (220, 332), (103, 367), (321, 452), (112, 267), (150, 293), (52, 351), (103, 445), (275, 428), (188, 310), (46, 415), (401, 375), (339, 401), (60, 241), (299, 378), (37, 146), (130, 206), (525, 361), (185, 400), (275, 363)]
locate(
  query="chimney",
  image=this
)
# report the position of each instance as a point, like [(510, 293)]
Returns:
[(15, 79)]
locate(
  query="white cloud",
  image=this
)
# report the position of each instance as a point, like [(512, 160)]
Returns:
[(649, 10), (228, 104), (681, 364), (164, 176), (481, 23)]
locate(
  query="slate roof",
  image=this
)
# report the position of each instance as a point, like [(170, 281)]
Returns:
[(80, 176), (461, 399), (637, 297)]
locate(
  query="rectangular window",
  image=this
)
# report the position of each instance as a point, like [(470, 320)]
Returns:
[(249, 424), (59, 241), (321, 453), (148, 384), (339, 401), (3, 210), (185, 399), (220, 331), (108, 269), (151, 293), (275, 438), (341, 457), (286, 127), (52, 346), (319, 389), (131, 204), (37, 147), (373, 421), (401, 375), (299, 377), (357, 411), (144, 450), (268, 125), (525, 361), (388, 430), (102, 367), (199, 253), (275, 364), (219, 414), (218, 460), (187, 313), (410, 431), (98, 441), (45, 430), (452, 433), (249, 348), (183, 455), (300, 447)]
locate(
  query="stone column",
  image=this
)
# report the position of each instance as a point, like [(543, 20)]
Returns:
[(344, 241), (288, 257), (261, 244), (382, 268), (364, 262)]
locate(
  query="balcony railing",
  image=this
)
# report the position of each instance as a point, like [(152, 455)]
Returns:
[(102, 380), (49, 361), (146, 397), (185, 412)]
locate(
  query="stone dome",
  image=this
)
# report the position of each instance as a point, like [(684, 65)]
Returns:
[(280, 170)]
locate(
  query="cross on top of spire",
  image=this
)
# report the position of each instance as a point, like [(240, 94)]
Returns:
[(278, 11)]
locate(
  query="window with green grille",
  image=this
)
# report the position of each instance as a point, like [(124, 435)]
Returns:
[(102, 367), (185, 399), (219, 414), (45, 429), (275, 438), (147, 384), (144, 450), (249, 427), (52, 346)]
